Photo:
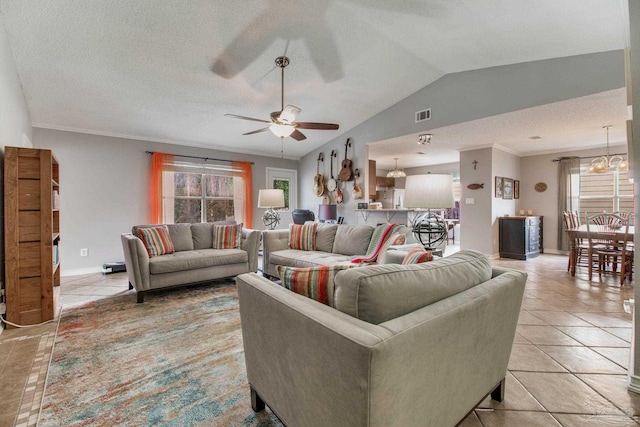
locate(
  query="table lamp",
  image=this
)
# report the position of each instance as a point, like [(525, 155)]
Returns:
[(271, 198), (327, 213), (430, 191)]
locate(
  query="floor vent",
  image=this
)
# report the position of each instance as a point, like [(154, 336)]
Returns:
[(423, 115)]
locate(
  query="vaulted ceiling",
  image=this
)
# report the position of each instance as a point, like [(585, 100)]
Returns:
[(168, 70)]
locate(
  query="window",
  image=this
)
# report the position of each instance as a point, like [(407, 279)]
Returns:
[(202, 193), (604, 192), (285, 180)]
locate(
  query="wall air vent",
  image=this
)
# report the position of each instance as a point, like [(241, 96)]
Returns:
[(423, 115)]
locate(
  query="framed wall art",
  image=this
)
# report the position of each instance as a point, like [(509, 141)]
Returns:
[(516, 189), (507, 188), (499, 187)]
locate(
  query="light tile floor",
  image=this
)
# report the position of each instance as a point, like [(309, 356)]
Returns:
[(567, 367)]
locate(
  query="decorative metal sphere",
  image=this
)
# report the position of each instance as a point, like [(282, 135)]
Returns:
[(430, 230), (271, 219)]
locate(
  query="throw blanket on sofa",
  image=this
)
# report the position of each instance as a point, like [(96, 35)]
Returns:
[(378, 239)]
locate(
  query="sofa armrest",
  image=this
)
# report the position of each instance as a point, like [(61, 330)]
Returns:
[(251, 244), (299, 352), (136, 259), (273, 240)]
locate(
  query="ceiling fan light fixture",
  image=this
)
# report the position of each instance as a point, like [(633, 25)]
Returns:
[(396, 172), (282, 131), (289, 114)]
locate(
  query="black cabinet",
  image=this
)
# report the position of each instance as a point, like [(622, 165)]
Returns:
[(520, 236)]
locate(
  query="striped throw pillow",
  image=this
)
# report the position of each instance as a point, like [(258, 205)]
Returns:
[(303, 236), (227, 236), (156, 240), (417, 255), (316, 283)]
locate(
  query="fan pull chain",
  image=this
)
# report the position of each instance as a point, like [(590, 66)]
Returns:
[(282, 147)]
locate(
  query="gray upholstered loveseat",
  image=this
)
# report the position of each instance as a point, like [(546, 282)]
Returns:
[(194, 259), (335, 244), (405, 345)]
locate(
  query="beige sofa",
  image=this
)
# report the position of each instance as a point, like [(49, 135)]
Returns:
[(335, 244), (413, 345), (194, 260)]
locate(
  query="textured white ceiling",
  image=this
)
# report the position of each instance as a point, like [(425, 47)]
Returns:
[(168, 70)]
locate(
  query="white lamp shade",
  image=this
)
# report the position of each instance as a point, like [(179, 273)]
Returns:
[(282, 131), (271, 198), (430, 191)]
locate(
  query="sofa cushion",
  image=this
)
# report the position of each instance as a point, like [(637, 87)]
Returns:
[(181, 237), (352, 239), (379, 293), (198, 258), (325, 236), (303, 236), (316, 283), (417, 255), (393, 240), (226, 236), (202, 234), (156, 240), (299, 258)]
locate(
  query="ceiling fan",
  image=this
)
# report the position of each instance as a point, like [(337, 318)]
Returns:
[(283, 123)]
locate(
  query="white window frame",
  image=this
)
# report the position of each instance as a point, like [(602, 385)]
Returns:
[(290, 175)]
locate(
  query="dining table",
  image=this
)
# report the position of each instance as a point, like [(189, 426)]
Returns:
[(581, 232)]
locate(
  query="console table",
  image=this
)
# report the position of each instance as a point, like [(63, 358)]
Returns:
[(520, 236)]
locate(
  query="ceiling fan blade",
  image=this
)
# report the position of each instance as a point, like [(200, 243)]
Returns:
[(319, 126), (297, 135), (256, 131), (235, 116)]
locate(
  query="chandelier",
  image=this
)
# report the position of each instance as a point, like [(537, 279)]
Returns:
[(396, 172), (605, 163)]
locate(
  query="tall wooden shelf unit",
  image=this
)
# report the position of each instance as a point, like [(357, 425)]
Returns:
[(32, 234)]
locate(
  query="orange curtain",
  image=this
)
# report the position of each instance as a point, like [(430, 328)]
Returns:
[(245, 168), (160, 162)]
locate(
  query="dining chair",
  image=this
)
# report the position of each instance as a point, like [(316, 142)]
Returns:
[(608, 239), (572, 220)]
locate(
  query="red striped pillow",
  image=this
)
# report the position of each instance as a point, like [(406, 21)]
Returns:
[(417, 255), (227, 236), (303, 236), (156, 240), (316, 283)]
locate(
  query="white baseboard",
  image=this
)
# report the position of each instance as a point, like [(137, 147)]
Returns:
[(81, 271), (634, 384)]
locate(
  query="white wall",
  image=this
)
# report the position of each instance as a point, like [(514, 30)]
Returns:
[(103, 190), (14, 115), (476, 218)]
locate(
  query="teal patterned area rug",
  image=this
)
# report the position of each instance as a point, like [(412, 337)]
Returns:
[(175, 360)]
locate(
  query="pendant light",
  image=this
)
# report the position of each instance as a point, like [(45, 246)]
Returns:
[(396, 172), (605, 163)]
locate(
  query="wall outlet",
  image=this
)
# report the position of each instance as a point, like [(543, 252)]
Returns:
[(3, 308), (84, 252)]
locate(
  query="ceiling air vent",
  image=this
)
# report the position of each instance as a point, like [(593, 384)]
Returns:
[(423, 115)]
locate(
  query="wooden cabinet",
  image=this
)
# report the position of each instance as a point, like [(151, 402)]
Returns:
[(32, 234), (520, 236), (371, 179), (383, 181)]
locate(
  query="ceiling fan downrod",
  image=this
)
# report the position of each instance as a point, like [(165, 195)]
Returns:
[(282, 62)]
